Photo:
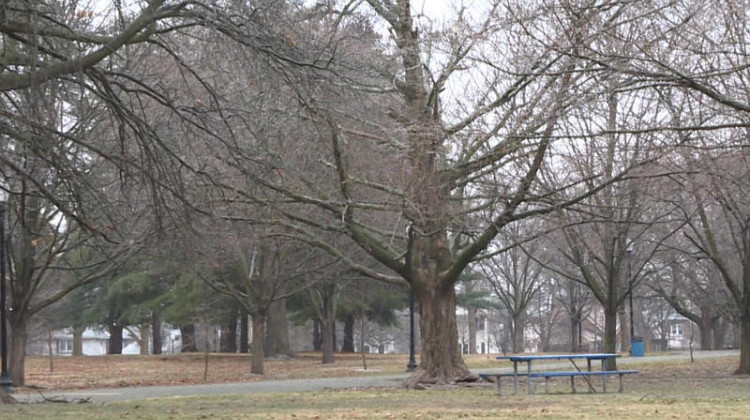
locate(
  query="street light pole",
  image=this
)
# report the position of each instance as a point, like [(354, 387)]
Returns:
[(630, 293), (5, 381)]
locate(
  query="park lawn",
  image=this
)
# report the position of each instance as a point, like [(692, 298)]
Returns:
[(183, 369), (723, 401), (679, 389)]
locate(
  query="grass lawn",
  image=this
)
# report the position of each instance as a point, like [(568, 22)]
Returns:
[(664, 390)]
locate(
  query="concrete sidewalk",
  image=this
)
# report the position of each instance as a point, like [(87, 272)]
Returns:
[(295, 385)]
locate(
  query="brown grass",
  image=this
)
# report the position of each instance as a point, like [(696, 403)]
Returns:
[(181, 369)]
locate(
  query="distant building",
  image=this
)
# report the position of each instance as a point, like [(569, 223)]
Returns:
[(95, 342)]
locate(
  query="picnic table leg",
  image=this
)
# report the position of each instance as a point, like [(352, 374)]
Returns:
[(573, 384), (499, 388), (515, 377), (604, 384), (620, 390), (546, 384)]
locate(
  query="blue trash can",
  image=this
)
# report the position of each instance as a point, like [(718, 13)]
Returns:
[(637, 348)]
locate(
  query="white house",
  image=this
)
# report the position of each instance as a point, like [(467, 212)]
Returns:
[(95, 342)]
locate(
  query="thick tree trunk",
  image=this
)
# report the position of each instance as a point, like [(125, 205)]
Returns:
[(228, 343), (348, 346), (610, 336), (519, 324), (144, 338), (441, 360), (259, 339), (115, 338), (231, 338), (189, 344), (706, 331), (744, 368), (278, 330), (720, 327), (17, 360), (244, 332), (156, 339), (78, 341), (327, 327)]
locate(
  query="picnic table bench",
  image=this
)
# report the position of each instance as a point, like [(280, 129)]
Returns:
[(572, 374)]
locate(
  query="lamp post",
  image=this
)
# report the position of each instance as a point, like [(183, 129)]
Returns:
[(412, 366), (630, 297), (5, 382)]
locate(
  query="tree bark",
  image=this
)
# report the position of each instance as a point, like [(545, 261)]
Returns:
[(115, 338), (187, 333), (705, 329), (719, 333), (517, 339), (278, 330), (156, 339), (471, 314), (575, 322), (259, 340), (78, 341), (610, 336), (348, 346), (17, 360), (327, 334), (441, 360), (317, 336), (228, 342), (625, 337), (144, 338)]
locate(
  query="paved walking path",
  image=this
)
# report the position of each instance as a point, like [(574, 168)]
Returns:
[(291, 385)]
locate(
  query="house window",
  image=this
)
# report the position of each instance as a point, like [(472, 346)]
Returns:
[(676, 330), (64, 346)]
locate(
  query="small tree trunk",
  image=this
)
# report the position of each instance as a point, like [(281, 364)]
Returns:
[(156, 339), (17, 349), (278, 330), (744, 368), (348, 346), (189, 344), (259, 339), (78, 341), (327, 325), (624, 329), (244, 332), (49, 347), (719, 333), (472, 320), (574, 344), (115, 338), (317, 336)]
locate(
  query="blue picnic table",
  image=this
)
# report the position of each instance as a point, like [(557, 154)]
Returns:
[(578, 372)]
